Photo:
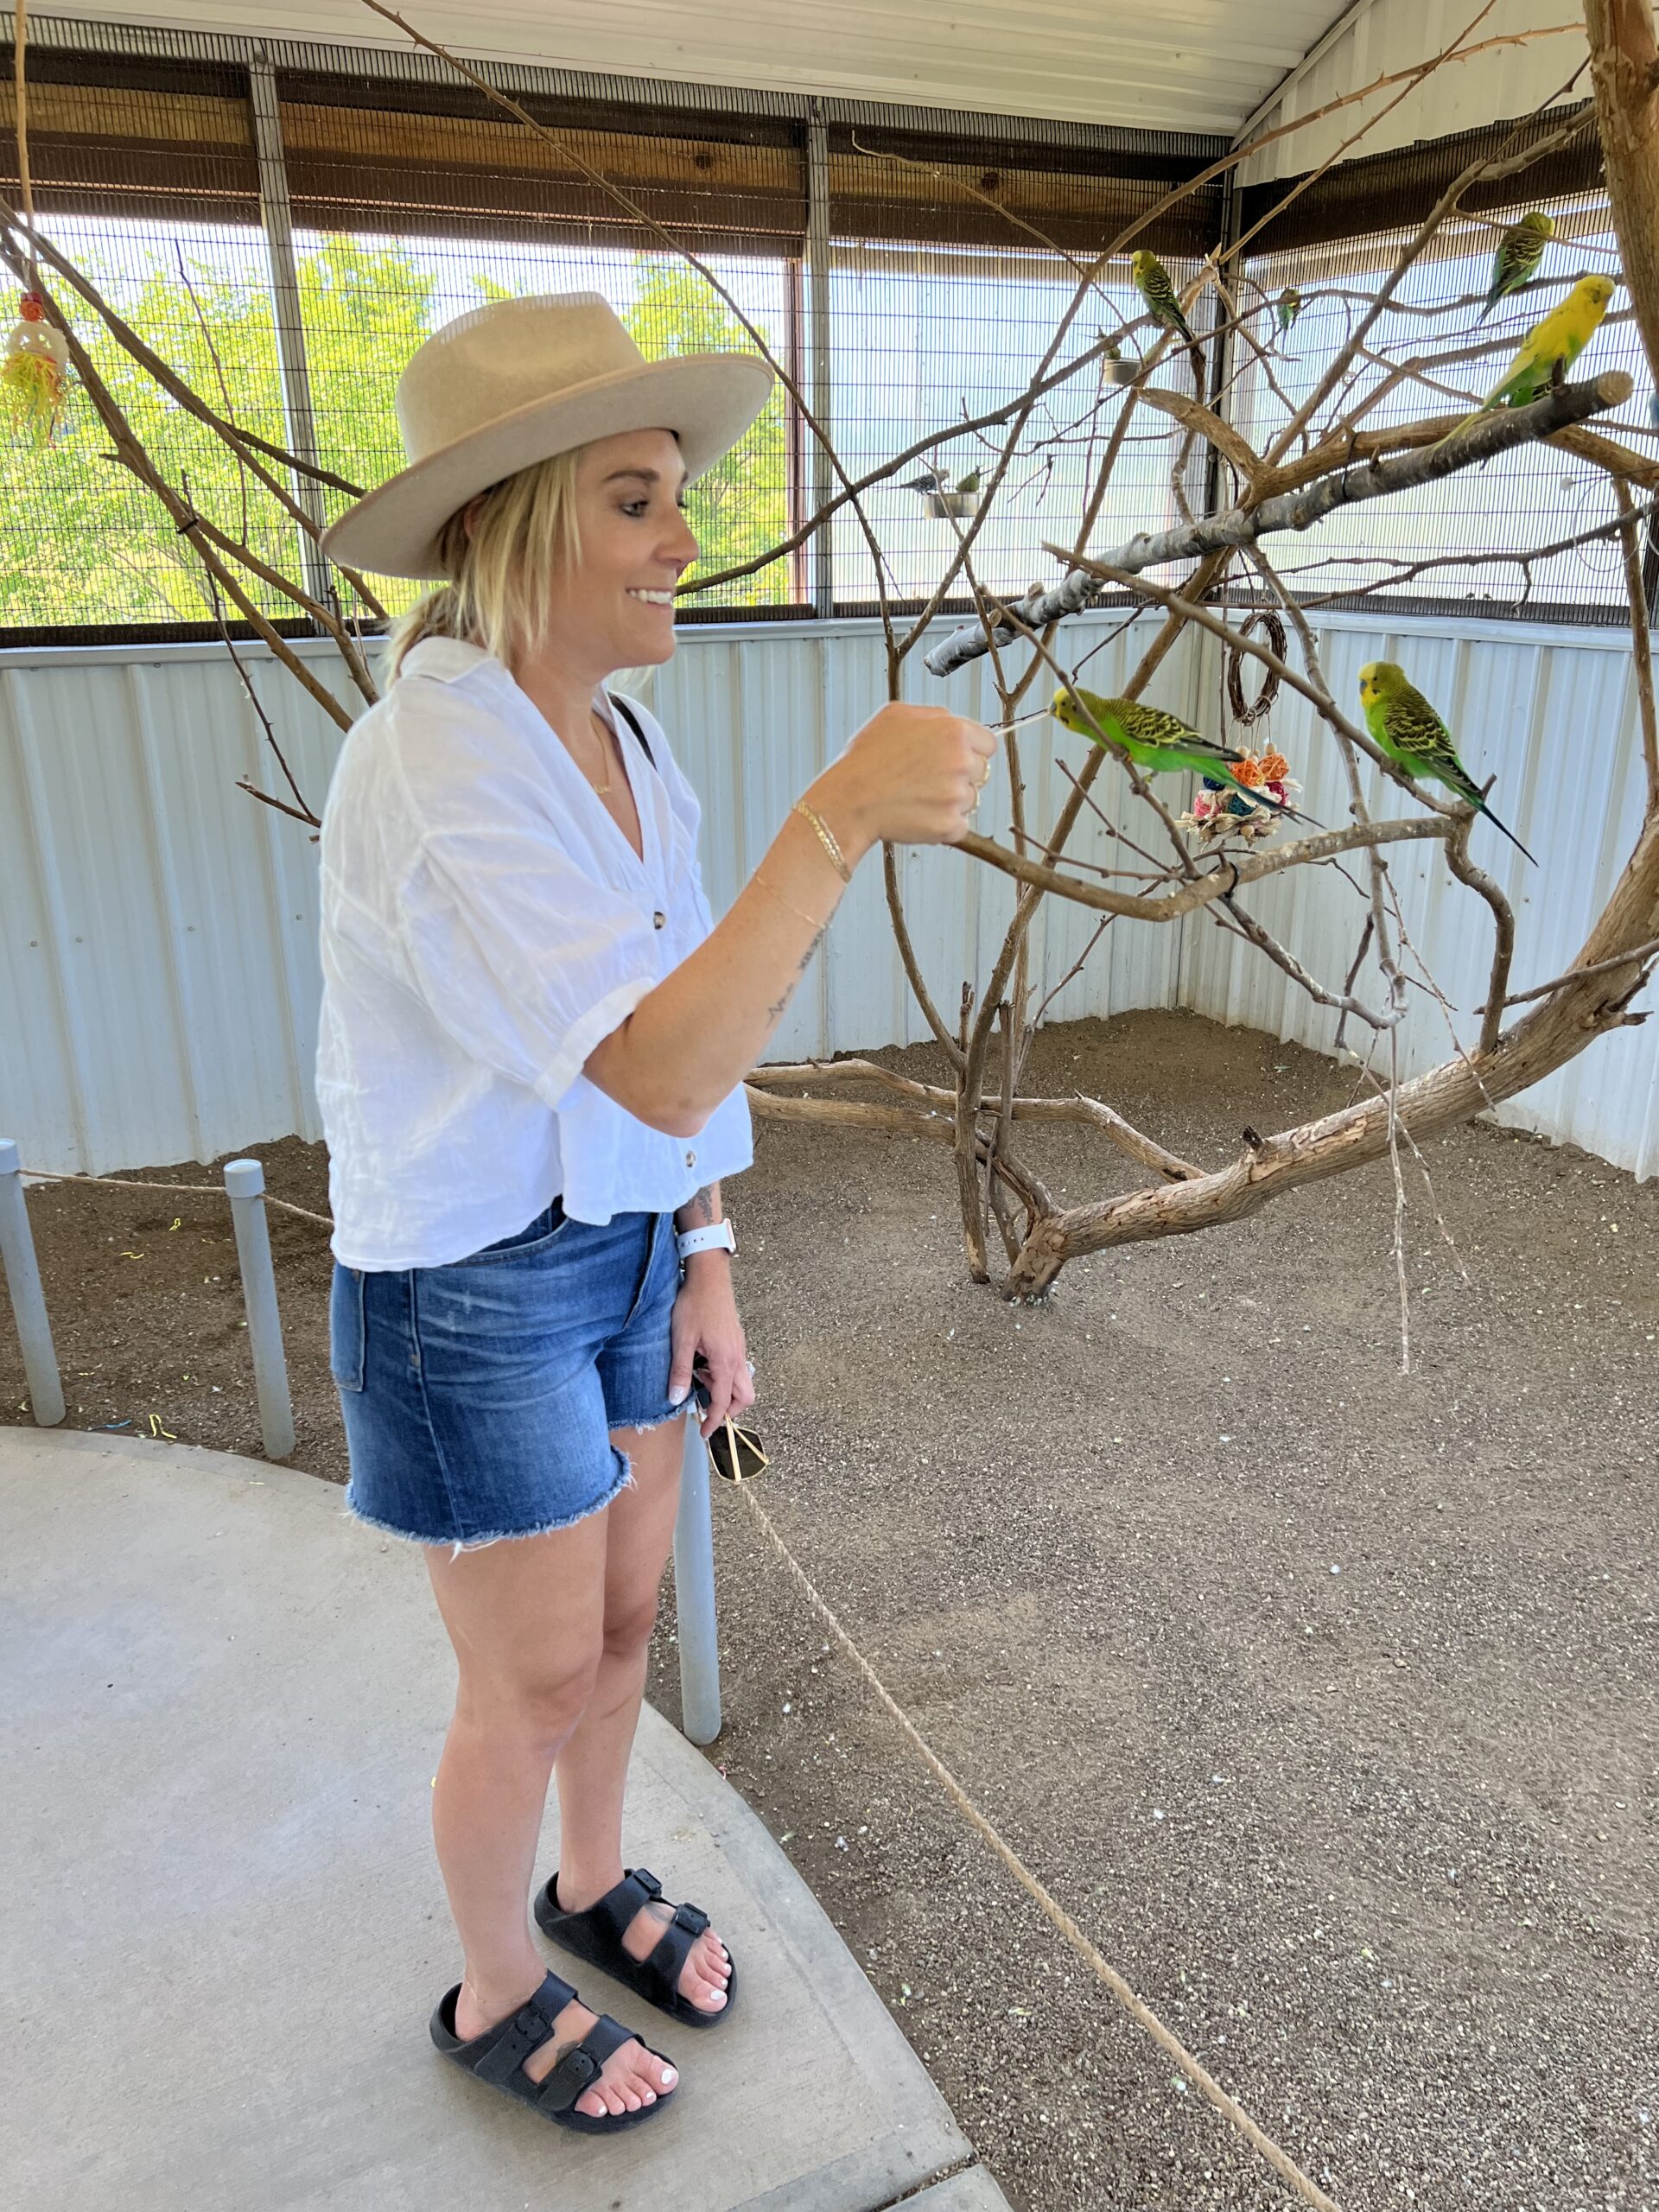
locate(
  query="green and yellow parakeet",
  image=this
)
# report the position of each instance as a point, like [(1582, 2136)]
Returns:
[(1558, 339), (1409, 731), (1159, 744), (1519, 252), (1287, 307), (1152, 280)]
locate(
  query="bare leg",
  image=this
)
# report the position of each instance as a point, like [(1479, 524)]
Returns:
[(592, 1762), (526, 1620)]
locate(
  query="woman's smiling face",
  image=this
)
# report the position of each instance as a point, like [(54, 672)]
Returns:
[(615, 609)]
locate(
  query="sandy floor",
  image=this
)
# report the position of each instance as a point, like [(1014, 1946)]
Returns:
[(1323, 1697)]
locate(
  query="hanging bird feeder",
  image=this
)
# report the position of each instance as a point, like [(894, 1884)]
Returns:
[(34, 371)]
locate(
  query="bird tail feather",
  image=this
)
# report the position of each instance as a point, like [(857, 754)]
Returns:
[(1510, 834)]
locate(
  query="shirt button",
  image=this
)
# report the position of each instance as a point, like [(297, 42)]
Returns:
[(659, 920), (690, 1159)]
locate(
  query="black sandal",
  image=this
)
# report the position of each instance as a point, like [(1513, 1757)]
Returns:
[(596, 1936), (498, 2056)]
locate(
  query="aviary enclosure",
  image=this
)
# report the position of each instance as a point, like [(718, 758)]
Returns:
[(1493, 371)]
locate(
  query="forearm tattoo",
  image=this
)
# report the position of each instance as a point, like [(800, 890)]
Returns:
[(698, 1212), (774, 1010)]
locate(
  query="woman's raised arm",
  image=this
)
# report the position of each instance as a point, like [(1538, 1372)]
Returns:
[(912, 775)]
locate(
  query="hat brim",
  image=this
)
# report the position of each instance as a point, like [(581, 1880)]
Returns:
[(707, 400)]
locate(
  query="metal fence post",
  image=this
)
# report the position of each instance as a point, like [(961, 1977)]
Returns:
[(22, 1274), (820, 475), (693, 1593), (245, 1186), (278, 221)]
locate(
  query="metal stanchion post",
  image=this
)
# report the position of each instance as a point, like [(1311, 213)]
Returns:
[(693, 1593), (245, 1186), (22, 1276)]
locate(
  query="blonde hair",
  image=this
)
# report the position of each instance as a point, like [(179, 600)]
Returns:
[(500, 575)]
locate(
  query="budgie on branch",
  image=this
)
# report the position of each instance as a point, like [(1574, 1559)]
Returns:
[(1409, 731), (1519, 252), (1287, 307), (1557, 340), (1153, 282), (1159, 744)]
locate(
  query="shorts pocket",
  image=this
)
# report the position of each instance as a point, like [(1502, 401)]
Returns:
[(347, 1333), (535, 1237)]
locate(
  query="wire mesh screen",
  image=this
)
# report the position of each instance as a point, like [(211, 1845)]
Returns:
[(150, 188), (405, 217), (283, 239), (952, 288), (1470, 542)]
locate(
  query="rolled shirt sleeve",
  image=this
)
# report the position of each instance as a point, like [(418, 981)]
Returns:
[(524, 959)]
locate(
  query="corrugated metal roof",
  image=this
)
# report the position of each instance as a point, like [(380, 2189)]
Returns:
[(1382, 36), (1163, 65)]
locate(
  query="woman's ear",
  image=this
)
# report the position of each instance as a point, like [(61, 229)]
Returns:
[(470, 513)]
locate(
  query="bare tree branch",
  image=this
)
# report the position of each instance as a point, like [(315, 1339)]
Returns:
[(1497, 432)]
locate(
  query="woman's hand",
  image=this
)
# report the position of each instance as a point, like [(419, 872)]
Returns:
[(913, 776), (706, 1332)]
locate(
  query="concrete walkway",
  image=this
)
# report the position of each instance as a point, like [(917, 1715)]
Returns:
[(220, 1705)]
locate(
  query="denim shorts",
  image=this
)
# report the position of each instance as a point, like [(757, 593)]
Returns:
[(479, 1398)]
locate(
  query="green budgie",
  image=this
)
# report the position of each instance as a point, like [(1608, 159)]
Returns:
[(1159, 744), (1409, 731), (1519, 252), (1288, 307), (1152, 280)]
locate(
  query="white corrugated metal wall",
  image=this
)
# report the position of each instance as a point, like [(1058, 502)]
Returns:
[(159, 978), (159, 987), (1553, 714)]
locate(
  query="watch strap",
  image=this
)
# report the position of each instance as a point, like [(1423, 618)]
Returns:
[(717, 1237)]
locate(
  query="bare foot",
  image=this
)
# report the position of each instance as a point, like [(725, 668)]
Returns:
[(631, 2076), (707, 1965)]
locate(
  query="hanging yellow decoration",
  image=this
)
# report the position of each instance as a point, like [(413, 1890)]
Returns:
[(33, 374)]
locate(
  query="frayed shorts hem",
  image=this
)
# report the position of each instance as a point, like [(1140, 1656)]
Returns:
[(353, 1511), (658, 1419), (458, 1544)]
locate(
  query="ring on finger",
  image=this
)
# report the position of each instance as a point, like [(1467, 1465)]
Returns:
[(983, 780)]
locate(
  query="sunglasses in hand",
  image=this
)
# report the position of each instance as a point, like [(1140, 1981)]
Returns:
[(736, 1452)]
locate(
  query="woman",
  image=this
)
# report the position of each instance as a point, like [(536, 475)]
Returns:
[(530, 1063)]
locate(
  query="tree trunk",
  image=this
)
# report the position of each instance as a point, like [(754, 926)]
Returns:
[(1455, 1091), (1624, 71)]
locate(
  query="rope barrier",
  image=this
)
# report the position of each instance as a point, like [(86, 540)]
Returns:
[(186, 1190), (1281, 2162), (1230, 2108)]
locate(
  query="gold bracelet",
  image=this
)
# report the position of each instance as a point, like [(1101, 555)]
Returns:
[(817, 927), (826, 838)]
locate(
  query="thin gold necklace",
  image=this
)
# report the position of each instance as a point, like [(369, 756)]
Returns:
[(602, 791)]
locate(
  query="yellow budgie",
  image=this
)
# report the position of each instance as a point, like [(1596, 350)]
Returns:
[(1559, 338)]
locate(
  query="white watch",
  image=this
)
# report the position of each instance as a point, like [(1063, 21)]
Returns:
[(718, 1236)]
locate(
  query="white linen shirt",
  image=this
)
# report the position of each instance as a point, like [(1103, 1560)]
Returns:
[(484, 925)]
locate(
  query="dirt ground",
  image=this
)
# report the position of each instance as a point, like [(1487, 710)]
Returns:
[(1323, 1699)]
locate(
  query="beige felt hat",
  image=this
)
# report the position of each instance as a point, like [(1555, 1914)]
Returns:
[(516, 382)]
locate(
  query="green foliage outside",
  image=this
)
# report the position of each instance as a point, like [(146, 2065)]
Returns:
[(85, 543)]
